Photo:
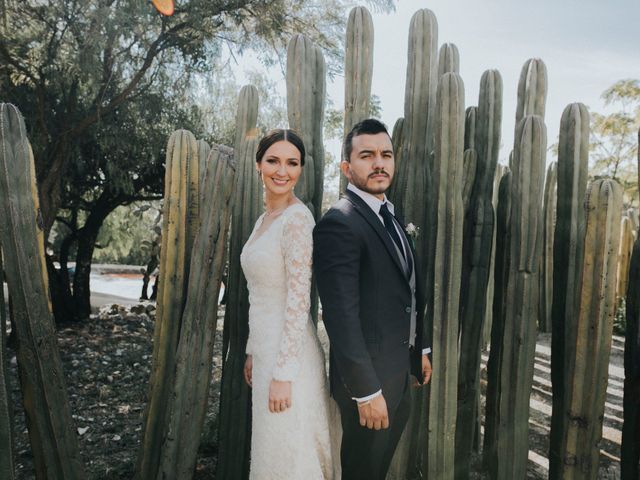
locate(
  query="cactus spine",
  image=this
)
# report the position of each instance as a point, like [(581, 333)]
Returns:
[(517, 345), (573, 154), (476, 256), (53, 440), (447, 253), (180, 222), (194, 356), (306, 92), (358, 68), (630, 451), (6, 410), (235, 397), (546, 271), (588, 344)]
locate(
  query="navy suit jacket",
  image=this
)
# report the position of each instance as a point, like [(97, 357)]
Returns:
[(366, 298)]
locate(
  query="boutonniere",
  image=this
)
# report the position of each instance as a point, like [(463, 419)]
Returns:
[(412, 233)]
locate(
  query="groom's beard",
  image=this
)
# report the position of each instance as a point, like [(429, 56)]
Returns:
[(366, 184)]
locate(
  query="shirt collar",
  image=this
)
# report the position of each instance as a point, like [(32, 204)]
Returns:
[(372, 201)]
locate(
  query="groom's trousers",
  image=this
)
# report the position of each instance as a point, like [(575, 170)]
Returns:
[(365, 454)]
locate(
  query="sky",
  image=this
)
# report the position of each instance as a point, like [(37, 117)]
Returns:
[(587, 45)]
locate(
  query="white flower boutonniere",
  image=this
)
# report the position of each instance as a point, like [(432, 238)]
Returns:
[(412, 233)]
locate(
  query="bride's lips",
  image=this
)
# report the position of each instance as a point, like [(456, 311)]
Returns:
[(278, 181)]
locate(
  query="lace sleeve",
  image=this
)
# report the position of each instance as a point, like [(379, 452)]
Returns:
[(297, 250)]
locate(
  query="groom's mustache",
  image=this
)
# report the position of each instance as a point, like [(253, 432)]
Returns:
[(378, 172)]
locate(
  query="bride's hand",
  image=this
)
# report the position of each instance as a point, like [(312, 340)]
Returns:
[(248, 369), (279, 396)]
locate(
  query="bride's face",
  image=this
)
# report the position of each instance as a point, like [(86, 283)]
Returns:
[(281, 168)]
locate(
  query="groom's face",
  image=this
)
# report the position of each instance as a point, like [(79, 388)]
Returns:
[(371, 164)]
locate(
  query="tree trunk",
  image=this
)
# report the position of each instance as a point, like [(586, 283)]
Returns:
[(87, 237)]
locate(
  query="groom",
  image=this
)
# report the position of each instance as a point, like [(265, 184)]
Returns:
[(373, 304)]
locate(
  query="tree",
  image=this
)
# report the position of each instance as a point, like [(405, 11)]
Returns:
[(84, 73), (614, 144)]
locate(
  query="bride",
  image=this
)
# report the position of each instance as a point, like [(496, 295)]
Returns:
[(285, 363)]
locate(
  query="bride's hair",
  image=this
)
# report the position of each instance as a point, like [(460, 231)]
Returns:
[(278, 135)]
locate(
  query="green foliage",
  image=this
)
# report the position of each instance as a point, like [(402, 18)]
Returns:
[(614, 146), (620, 317)]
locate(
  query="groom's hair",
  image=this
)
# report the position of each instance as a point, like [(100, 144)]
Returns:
[(278, 135), (370, 126)]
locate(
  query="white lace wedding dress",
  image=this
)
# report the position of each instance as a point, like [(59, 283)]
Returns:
[(295, 444)]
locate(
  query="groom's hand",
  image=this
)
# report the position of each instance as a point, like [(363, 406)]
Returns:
[(373, 413), (426, 369)]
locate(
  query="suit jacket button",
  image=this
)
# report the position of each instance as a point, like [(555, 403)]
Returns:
[(408, 309)]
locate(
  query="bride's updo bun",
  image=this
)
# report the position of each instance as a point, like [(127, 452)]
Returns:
[(279, 135)]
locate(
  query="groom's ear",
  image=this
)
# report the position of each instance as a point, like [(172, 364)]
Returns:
[(344, 167)]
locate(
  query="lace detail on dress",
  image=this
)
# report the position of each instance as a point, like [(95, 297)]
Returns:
[(297, 249)]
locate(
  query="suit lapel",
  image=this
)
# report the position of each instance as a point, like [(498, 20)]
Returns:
[(363, 209)]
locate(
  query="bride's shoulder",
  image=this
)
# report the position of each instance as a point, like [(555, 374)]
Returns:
[(299, 212)]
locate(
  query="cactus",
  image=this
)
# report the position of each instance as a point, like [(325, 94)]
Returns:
[(448, 59), (470, 128), (502, 260), (397, 140), (235, 398), (447, 253), (194, 357), (532, 89), (624, 256), (306, 92), (588, 341), (573, 153), (203, 154), (358, 68), (180, 222), (488, 316), (470, 164), (630, 450), (54, 442), (546, 270), (517, 345), (414, 172), (476, 256), (6, 415)]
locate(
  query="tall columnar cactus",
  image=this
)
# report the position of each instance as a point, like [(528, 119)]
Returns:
[(188, 402), (488, 317), (358, 68), (54, 443), (476, 257), (630, 451), (546, 270), (203, 154), (471, 114), (448, 59), (397, 139), (180, 222), (515, 371), (501, 270), (235, 397), (568, 245), (469, 167), (6, 415), (306, 92), (414, 172), (588, 342), (532, 89), (447, 253), (624, 256)]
